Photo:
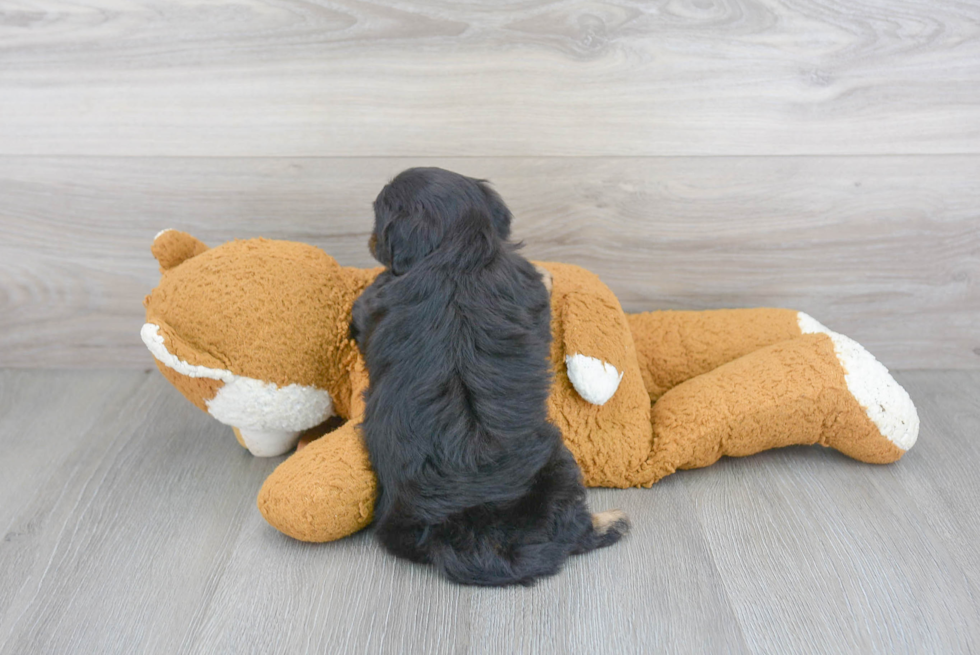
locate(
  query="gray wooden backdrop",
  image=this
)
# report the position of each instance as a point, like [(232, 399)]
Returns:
[(693, 153)]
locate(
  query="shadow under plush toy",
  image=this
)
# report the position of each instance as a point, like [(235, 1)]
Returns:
[(256, 333)]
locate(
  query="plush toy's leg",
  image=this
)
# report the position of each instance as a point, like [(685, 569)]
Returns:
[(674, 346), (818, 388), (324, 491)]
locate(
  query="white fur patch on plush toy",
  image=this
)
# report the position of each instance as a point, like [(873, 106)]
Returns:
[(595, 380), (150, 334), (887, 404), (269, 418)]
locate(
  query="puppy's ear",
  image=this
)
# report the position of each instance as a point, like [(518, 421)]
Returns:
[(499, 213), (472, 239), (405, 237)]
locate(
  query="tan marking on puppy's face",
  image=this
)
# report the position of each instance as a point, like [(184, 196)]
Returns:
[(373, 245)]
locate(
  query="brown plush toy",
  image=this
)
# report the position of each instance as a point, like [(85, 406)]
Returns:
[(256, 333)]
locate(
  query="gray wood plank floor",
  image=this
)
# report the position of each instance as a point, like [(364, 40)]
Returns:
[(129, 525)]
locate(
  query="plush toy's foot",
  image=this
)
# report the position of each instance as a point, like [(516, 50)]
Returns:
[(323, 492), (818, 388), (885, 402)]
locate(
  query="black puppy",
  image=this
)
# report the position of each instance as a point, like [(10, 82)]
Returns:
[(456, 335)]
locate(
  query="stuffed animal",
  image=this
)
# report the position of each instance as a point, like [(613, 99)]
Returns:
[(256, 333)]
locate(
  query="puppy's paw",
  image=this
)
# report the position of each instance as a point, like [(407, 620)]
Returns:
[(610, 526), (545, 277)]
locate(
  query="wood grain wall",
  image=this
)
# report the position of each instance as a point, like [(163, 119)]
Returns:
[(693, 153)]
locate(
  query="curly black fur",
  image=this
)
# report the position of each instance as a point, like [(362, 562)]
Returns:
[(456, 333)]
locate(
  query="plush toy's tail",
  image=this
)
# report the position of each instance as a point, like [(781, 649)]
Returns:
[(817, 388)]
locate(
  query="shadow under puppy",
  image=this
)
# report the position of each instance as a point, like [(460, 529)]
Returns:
[(456, 334)]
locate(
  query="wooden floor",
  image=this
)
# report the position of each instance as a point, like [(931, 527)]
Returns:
[(129, 525)]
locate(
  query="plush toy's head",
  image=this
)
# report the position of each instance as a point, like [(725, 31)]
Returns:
[(255, 333)]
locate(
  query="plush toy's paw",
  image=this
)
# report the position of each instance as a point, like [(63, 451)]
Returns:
[(885, 402), (595, 380), (323, 492)]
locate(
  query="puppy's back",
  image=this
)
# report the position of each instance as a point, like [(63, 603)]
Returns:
[(472, 476), (460, 370)]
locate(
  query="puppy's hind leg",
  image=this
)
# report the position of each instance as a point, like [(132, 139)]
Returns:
[(582, 530)]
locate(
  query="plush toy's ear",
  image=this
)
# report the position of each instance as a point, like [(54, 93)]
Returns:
[(172, 247)]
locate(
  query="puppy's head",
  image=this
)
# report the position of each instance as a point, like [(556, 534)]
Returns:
[(423, 207)]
